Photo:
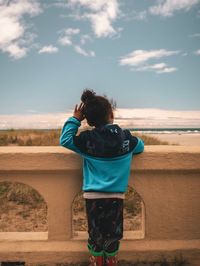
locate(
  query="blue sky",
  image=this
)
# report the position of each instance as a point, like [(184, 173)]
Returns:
[(144, 54)]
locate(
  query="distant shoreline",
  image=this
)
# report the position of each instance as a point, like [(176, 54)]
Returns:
[(184, 139), (155, 130), (167, 130), (49, 137)]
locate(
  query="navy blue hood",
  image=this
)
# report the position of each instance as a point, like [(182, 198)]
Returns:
[(106, 141)]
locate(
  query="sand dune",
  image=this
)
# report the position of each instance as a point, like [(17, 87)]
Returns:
[(179, 139)]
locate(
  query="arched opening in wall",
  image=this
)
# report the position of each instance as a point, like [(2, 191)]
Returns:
[(23, 209), (134, 215), (134, 220)]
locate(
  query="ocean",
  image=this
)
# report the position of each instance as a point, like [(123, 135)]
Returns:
[(140, 130)]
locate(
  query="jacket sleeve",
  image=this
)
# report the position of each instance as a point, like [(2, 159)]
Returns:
[(139, 146), (69, 131)]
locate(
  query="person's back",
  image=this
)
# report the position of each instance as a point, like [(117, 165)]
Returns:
[(107, 152)]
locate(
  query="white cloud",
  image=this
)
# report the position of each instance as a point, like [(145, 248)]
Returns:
[(13, 30), (101, 14), (65, 40), (167, 8), (50, 49), (83, 52), (142, 118), (197, 52), (15, 50), (158, 68), (67, 35), (101, 24), (156, 118), (34, 120), (162, 68), (166, 70), (71, 31), (85, 38), (139, 57)]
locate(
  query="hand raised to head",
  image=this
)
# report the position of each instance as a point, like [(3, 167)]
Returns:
[(78, 112)]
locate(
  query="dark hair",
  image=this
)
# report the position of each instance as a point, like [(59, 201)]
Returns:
[(97, 109)]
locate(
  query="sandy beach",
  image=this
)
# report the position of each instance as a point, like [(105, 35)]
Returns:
[(179, 139)]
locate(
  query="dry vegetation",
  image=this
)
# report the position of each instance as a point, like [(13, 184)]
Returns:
[(22, 208), (149, 140), (50, 137), (30, 137)]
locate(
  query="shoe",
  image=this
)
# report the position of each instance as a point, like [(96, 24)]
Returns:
[(112, 261), (96, 260)]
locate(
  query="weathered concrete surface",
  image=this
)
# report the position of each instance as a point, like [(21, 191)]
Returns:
[(161, 157), (166, 177), (70, 251), (23, 236)]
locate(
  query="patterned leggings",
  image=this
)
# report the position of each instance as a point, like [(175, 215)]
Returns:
[(105, 224)]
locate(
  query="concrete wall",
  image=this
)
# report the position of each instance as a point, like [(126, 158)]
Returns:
[(166, 177)]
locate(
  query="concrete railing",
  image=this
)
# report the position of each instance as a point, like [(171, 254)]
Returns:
[(166, 177)]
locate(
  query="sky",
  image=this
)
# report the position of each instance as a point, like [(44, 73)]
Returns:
[(143, 54)]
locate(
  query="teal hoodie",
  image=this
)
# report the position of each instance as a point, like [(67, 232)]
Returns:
[(107, 153)]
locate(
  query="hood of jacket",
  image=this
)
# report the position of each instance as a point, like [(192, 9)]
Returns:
[(107, 141)]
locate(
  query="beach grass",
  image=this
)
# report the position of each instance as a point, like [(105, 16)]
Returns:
[(29, 137), (149, 140), (39, 137), (22, 208)]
